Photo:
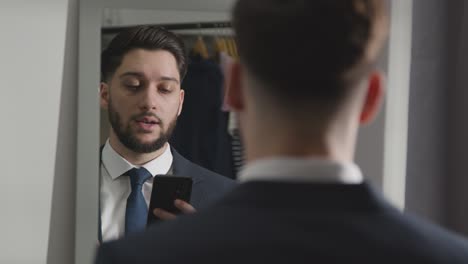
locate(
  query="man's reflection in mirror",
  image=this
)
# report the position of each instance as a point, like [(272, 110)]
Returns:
[(141, 74)]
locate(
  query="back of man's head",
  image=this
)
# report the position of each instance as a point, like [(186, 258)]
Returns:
[(309, 52)]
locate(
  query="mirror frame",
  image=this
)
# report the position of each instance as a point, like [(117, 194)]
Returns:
[(87, 170)]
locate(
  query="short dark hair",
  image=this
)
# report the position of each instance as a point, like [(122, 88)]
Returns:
[(142, 37), (308, 50)]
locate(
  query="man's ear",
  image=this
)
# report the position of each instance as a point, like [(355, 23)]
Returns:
[(374, 97), (234, 92), (181, 102), (104, 95)]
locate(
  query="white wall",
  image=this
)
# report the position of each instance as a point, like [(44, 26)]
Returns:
[(33, 37), (398, 86)]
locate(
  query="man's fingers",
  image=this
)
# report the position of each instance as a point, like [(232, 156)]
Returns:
[(163, 214), (184, 207)]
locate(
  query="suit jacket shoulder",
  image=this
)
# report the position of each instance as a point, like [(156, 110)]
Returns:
[(323, 223)]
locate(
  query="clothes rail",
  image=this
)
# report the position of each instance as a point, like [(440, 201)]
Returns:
[(176, 26)]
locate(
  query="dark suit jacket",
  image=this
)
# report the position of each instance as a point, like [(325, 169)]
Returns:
[(272, 222), (207, 186)]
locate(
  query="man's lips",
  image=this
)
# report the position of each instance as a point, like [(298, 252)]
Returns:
[(148, 120), (147, 124)]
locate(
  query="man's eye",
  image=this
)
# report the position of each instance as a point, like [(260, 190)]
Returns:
[(165, 89), (132, 87)]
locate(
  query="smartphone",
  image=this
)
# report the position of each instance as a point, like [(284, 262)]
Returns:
[(166, 189)]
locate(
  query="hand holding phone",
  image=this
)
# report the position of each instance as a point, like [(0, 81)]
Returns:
[(184, 208), (167, 189)]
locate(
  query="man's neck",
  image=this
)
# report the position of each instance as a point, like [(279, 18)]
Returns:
[(292, 149), (134, 157), (299, 144)]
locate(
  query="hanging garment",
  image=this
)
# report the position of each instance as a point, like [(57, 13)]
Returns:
[(201, 133), (237, 148)]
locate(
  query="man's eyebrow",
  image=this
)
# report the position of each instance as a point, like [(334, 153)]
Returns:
[(135, 74), (167, 78), (141, 75)]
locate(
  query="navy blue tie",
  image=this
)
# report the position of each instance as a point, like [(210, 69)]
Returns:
[(137, 211)]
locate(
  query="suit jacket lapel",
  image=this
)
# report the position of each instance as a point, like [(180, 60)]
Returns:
[(183, 167)]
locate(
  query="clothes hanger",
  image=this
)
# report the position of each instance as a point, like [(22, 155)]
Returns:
[(220, 45), (199, 48), (231, 48), (234, 48), (222, 39), (225, 38)]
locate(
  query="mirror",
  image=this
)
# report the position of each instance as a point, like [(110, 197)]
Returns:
[(100, 20), (94, 15), (140, 98)]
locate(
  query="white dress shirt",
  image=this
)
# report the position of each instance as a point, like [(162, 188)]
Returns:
[(290, 169), (116, 189)]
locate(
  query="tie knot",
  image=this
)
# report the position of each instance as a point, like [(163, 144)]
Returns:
[(138, 176)]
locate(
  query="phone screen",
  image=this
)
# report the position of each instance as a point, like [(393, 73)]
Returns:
[(166, 189)]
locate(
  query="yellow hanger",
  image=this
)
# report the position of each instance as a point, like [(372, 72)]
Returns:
[(231, 47), (200, 47), (228, 46), (219, 45), (234, 48)]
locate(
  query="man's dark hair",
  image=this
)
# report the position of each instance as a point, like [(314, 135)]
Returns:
[(142, 37), (309, 50)]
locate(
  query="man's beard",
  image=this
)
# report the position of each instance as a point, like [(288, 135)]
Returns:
[(128, 139)]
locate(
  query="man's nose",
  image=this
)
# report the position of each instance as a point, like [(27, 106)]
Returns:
[(149, 98)]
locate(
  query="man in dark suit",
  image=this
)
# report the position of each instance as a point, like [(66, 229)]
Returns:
[(305, 82), (142, 69)]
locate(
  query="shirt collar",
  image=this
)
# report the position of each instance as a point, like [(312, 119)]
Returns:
[(302, 170), (117, 165)]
